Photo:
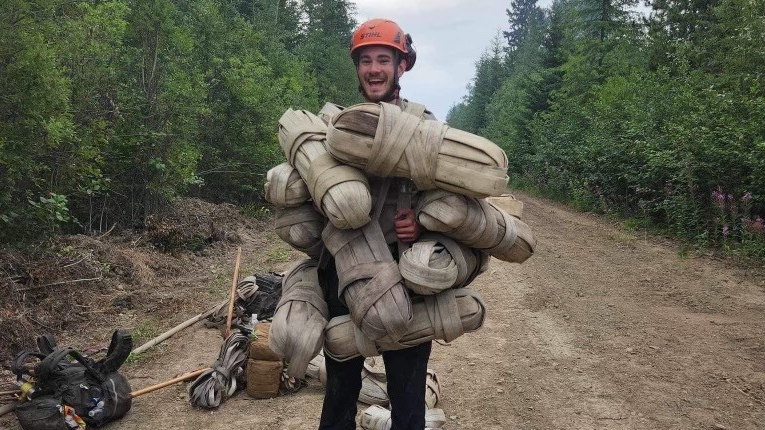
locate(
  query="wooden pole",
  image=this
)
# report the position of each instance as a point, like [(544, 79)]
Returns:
[(232, 297), (156, 387), (164, 336)]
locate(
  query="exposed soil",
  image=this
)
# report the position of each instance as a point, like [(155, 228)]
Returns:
[(601, 329)]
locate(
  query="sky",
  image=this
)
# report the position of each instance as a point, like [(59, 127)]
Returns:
[(449, 37)]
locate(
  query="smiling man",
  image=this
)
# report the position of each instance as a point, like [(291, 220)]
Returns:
[(382, 52)]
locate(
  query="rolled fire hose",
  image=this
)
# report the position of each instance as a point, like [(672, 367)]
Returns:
[(377, 417), (297, 329), (445, 316), (370, 283), (214, 386), (301, 228), (341, 191), (477, 223), (383, 140), (436, 262), (284, 187)]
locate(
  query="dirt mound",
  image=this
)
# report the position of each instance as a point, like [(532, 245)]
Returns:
[(85, 282)]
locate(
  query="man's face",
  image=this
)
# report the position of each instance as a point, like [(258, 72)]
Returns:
[(377, 70)]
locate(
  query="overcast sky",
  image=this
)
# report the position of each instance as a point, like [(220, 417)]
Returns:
[(449, 37)]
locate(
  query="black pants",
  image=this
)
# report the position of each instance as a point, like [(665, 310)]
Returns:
[(405, 369)]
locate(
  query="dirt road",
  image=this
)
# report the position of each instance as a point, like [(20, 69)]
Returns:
[(601, 329)]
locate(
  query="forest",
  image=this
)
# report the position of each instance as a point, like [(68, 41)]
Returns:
[(655, 118), (110, 109)]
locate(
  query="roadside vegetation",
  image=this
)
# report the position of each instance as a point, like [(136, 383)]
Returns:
[(654, 116)]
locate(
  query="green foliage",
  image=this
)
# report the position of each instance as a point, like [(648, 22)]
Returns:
[(108, 110), (50, 212), (648, 122), (256, 211), (327, 32), (35, 119)]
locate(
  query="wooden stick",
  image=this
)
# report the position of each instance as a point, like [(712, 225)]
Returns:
[(10, 407), (72, 281), (232, 297), (7, 393), (156, 387), (164, 336)]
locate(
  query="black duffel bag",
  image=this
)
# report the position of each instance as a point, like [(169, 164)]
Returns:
[(67, 393)]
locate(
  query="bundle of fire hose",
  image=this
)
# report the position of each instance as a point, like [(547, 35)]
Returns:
[(214, 386), (340, 191), (296, 220), (328, 111), (301, 228), (369, 281), (435, 263), (297, 329), (458, 167), (476, 223), (444, 316), (383, 140), (377, 417), (284, 187)]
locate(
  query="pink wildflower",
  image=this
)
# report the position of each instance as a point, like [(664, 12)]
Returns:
[(758, 225), (719, 197)]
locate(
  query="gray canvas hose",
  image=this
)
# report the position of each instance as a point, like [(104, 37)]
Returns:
[(214, 386)]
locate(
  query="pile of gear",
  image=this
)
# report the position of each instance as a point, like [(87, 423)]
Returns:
[(324, 205), (61, 388)]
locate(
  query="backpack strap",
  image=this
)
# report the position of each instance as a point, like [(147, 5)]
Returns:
[(380, 202), (18, 366), (45, 369), (406, 189), (119, 350), (46, 343)]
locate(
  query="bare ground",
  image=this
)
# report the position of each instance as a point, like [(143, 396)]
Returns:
[(601, 329)]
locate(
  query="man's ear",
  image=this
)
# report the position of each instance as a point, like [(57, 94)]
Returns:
[(401, 67)]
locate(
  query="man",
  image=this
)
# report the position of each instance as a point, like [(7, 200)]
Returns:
[(381, 52)]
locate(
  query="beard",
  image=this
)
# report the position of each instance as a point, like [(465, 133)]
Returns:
[(376, 95)]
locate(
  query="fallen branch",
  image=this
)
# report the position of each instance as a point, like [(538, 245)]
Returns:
[(156, 387), (8, 393), (73, 281), (232, 296), (72, 264), (107, 233)]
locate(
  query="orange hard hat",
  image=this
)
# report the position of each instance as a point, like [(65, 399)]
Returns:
[(383, 32)]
